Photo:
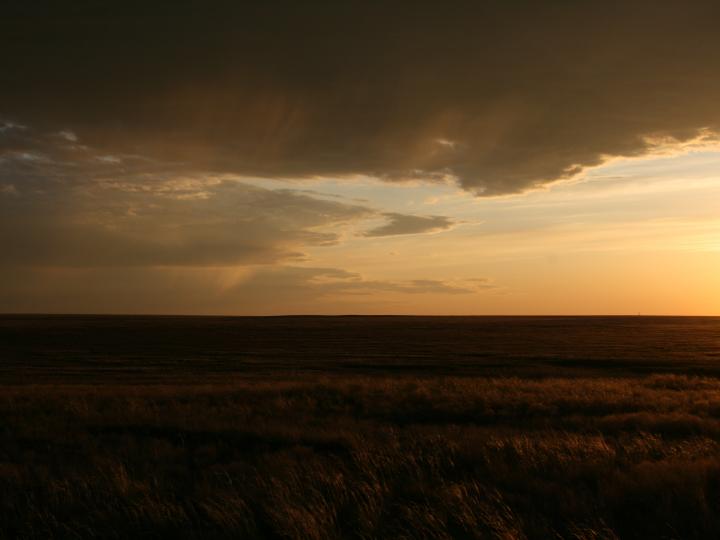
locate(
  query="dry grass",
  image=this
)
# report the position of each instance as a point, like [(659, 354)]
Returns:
[(364, 457)]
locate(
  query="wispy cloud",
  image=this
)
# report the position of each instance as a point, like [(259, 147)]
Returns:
[(398, 224), (64, 203), (255, 290)]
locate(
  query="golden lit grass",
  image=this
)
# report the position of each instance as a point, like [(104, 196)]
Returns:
[(364, 457)]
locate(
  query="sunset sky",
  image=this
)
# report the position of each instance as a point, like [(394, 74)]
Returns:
[(492, 157)]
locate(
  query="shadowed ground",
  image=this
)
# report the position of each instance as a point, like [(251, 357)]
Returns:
[(359, 428)]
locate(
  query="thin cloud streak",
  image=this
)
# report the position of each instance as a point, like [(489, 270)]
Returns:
[(400, 224)]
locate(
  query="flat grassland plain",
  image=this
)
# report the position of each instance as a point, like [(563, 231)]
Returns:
[(359, 427)]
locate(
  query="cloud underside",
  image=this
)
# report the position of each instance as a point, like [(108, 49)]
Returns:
[(501, 96)]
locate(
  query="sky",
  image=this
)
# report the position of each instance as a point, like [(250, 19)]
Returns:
[(492, 157)]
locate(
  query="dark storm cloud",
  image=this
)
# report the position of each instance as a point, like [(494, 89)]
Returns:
[(406, 224), (502, 95)]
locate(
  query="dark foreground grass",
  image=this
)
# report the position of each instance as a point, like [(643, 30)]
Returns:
[(363, 457)]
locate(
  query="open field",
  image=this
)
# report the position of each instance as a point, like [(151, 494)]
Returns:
[(196, 428)]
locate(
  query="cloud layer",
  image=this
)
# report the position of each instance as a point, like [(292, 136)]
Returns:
[(503, 96), (261, 290), (63, 204), (88, 231)]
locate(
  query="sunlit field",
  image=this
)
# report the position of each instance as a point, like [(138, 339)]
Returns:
[(317, 453)]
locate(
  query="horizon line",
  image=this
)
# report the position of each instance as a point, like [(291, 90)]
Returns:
[(349, 315)]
